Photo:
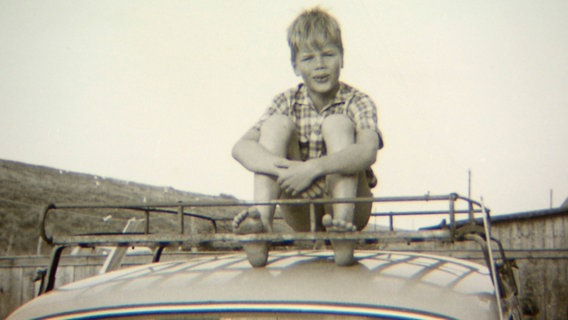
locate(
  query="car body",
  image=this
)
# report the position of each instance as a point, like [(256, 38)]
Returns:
[(294, 285)]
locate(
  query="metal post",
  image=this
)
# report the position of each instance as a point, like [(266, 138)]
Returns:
[(453, 197), (147, 219), (52, 270), (181, 219), (493, 268), (471, 217), (312, 217), (158, 254)]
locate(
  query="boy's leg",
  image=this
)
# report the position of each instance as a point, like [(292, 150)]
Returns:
[(275, 136), (339, 132)]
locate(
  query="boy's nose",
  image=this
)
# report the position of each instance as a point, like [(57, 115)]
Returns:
[(319, 61)]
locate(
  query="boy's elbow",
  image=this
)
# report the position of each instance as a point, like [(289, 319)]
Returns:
[(369, 142), (242, 146), (239, 150), (373, 157), (235, 151), (371, 153), (369, 159)]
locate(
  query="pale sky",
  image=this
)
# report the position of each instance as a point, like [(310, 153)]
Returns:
[(157, 92)]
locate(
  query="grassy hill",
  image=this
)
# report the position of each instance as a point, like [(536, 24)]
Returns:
[(26, 189)]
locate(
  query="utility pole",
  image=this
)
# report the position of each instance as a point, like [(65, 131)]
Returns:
[(471, 218)]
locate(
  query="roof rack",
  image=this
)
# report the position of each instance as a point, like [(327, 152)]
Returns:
[(179, 209), (471, 230)]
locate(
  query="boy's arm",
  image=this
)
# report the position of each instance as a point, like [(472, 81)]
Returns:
[(253, 156), (350, 160)]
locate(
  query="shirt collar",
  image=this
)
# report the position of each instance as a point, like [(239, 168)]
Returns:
[(340, 97)]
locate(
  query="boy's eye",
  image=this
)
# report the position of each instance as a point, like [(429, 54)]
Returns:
[(307, 58)]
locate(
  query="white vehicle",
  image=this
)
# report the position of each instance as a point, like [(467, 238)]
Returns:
[(295, 284)]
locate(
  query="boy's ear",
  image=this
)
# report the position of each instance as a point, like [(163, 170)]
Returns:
[(295, 67)]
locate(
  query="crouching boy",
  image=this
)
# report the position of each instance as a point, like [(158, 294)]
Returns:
[(315, 140)]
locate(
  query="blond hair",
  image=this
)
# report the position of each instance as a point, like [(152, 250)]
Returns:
[(314, 28)]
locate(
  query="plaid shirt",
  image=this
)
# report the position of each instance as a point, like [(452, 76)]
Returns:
[(296, 104)]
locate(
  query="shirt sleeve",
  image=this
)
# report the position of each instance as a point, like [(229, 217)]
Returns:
[(280, 106), (364, 114)]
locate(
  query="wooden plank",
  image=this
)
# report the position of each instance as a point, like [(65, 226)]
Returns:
[(547, 282), (5, 290), (10, 290), (65, 274), (538, 233), (23, 261), (514, 240), (526, 236), (557, 290), (548, 233), (86, 271), (560, 232), (562, 295), (29, 290)]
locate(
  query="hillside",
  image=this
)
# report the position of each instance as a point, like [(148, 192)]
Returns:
[(26, 189)]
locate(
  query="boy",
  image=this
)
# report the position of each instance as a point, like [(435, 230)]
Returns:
[(316, 140)]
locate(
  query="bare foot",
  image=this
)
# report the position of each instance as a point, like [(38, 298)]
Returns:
[(343, 249), (248, 222)]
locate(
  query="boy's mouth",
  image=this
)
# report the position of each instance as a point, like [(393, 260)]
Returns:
[(321, 78)]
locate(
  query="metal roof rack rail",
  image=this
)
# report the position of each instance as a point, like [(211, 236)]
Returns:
[(467, 230)]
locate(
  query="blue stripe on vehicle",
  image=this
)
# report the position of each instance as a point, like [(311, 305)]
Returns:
[(253, 307)]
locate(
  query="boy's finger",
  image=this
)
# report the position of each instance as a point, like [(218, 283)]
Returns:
[(283, 164)]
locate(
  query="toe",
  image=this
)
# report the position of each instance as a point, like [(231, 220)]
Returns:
[(239, 218), (253, 213)]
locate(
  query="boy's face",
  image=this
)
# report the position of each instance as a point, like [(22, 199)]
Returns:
[(319, 68)]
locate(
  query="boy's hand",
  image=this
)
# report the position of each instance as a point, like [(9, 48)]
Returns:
[(296, 176), (315, 190)]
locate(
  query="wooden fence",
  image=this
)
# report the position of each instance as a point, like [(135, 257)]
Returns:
[(539, 242)]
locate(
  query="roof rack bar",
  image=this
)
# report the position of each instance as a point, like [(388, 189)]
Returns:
[(233, 203), (419, 213), (178, 239)]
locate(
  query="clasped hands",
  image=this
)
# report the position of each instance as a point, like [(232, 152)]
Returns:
[(296, 178)]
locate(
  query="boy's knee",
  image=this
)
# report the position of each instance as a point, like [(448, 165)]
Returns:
[(338, 124), (277, 133), (338, 131), (277, 124)]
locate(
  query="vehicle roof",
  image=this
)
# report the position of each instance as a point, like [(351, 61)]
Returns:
[(380, 283)]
